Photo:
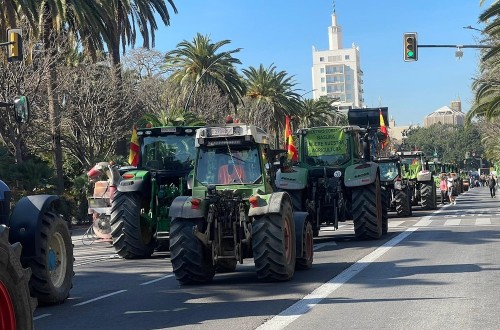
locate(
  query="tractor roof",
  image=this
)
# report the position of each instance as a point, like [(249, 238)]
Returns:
[(410, 153), (167, 130), (231, 131), (348, 128)]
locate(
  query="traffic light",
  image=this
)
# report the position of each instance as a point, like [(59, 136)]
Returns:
[(410, 47), (15, 49)]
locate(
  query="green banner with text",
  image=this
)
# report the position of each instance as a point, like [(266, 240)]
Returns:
[(326, 141)]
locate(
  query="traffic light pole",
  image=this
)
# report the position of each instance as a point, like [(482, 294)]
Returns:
[(453, 46)]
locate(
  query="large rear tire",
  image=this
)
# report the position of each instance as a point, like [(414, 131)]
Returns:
[(16, 305), (191, 261), (403, 203), (306, 260), (133, 237), (367, 211), (428, 195), (52, 268), (273, 244), (386, 200)]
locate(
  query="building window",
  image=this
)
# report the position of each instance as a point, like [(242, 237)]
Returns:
[(322, 89), (347, 78), (322, 70), (321, 59), (348, 87), (349, 97), (322, 79), (347, 57)]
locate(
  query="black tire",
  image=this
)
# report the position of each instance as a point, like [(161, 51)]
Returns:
[(16, 305), (386, 200), (133, 237), (428, 195), (306, 260), (367, 211), (225, 265), (273, 244), (403, 203), (52, 268), (296, 197), (191, 261)]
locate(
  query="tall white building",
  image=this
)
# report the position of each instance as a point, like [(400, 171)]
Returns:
[(336, 72)]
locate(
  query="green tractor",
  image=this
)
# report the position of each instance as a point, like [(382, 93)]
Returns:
[(139, 210), (395, 185), (234, 213), (334, 178), (420, 179)]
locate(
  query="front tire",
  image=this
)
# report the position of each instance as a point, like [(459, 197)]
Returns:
[(273, 244), (191, 261), (403, 203), (306, 260), (386, 200), (428, 196), (367, 211), (133, 236), (16, 305)]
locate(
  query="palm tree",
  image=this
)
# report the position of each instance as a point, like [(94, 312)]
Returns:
[(200, 62), (276, 89), (319, 113)]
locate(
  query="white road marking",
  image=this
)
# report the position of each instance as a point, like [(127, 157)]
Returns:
[(425, 221), (301, 307), (452, 222), (483, 221), (393, 224), (41, 316), (156, 280), (99, 298), (96, 260), (322, 245)]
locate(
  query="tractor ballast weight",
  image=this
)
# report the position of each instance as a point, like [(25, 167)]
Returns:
[(140, 207), (335, 180), (233, 213)]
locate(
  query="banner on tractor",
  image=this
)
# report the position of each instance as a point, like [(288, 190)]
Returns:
[(133, 158), (326, 141)]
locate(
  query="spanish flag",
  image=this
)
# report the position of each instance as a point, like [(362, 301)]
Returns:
[(133, 158), (383, 129), (292, 151)]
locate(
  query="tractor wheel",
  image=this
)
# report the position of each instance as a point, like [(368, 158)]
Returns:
[(428, 195), (133, 237), (225, 265), (297, 199), (306, 260), (367, 211), (403, 203), (386, 200), (16, 305), (191, 261), (273, 244), (52, 267)]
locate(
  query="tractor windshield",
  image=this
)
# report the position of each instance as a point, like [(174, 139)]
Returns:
[(388, 171), (168, 152), (229, 165), (327, 147), (411, 167)]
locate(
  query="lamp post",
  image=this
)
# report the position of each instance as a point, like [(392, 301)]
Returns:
[(472, 28), (201, 76)]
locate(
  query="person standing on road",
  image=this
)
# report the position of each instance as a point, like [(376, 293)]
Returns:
[(451, 190), (492, 185), (444, 188)]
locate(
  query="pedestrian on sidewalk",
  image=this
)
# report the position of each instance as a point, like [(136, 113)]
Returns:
[(452, 191), (444, 188), (492, 185)]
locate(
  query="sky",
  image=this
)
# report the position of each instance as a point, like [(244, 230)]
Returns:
[(283, 32)]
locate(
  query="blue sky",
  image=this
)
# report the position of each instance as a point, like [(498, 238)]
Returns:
[(283, 32)]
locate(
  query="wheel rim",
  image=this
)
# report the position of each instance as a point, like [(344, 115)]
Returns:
[(288, 240), (57, 259), (7, 314)]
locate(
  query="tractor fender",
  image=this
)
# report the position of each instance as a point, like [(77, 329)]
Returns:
[(294, 178), (181, 208), (26, 220), (271, 205), (360, 174), (133, 185), (299, 219), (424, 176)]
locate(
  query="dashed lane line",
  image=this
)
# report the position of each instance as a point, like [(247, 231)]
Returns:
[(41, 316), (99, 298), (156, 280)]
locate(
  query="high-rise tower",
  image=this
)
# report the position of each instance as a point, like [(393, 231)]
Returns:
[(336, 72)]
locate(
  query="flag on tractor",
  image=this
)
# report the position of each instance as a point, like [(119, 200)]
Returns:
[(383, 129), (133, 158), (292, 151)]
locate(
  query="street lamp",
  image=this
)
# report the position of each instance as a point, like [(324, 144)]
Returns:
[(472, 28), (201, 76)]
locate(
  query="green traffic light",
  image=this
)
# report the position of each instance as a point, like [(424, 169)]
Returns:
[(410, 53)]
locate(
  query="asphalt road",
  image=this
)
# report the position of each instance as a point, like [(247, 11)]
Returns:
[(437, 269)]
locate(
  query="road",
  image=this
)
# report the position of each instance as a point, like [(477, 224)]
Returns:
[(437, 269)]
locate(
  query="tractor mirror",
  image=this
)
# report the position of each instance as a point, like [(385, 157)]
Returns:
[(21, 109)]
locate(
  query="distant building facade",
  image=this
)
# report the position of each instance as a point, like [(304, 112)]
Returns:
[(451, 115), (336, 72)]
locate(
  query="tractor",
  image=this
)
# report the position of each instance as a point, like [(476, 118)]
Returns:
[(36, 252), (140, 206), (234, 213), (335, 178), (395, 186), (420, 179)]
